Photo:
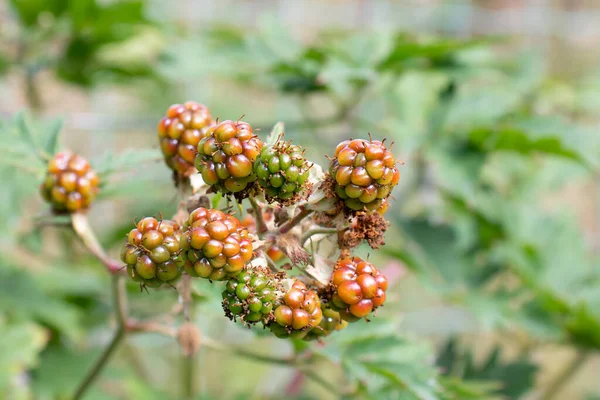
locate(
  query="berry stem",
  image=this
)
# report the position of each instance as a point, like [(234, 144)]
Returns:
[(188, 360), (285, 228), (261, 226), (317, 231), (271, 263), (83, 229), (119, 304)]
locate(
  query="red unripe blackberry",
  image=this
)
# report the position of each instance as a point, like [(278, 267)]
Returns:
[(214, 245), (179, 133), (250, 296), (331, 322), (151, 252), (70, 184), (282, 170), (357, 288), (226, 156), (297, 312), (364, 172)]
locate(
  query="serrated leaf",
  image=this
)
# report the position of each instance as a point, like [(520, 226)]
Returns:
[(124, 161), (52, 135), (24, 129)]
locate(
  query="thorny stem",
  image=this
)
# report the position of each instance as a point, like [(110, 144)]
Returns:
[(119, 303), (86, 234), (285, 228), (261, 226), (317, 231), (570, 370)]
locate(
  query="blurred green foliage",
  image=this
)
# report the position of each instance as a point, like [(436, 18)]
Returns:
[(487, 139)]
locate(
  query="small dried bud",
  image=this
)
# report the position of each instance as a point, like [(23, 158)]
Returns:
[(290, 245)]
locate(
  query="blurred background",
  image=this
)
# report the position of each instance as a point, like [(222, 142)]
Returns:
[(494, 105)]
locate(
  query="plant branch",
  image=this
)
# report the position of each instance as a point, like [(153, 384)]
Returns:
[(188, 360), (214, 345), (570, 370), (285, 228), (86, 234), (120, 307), (100, 364), (317, 231), (261, 226)]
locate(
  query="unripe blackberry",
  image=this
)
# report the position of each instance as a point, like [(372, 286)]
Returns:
[(357, 288), (70, 184), (331, 322), (297, 312), (282, 171), (214, 245), (250, 296), (151, 252), (226, 156), (179, 133), (364, 173)]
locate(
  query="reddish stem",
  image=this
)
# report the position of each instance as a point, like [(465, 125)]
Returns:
[(295, 221)]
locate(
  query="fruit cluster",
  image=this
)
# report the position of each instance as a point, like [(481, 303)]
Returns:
[(152, 252), (282, 171), (226, 156), (364, 172), (70, 184), (255, 255), (179, 133)]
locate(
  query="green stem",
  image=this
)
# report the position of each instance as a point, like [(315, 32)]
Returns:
[(188, 360), (565, 376), (188, 366), (119, 303), (211, 344), (317, 231)]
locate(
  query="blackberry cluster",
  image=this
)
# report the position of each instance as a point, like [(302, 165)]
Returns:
[(297, 312), (70, 184), (364, 172), (282, 171), (214, 245), (179, 133), (250, 296), (152, 252), (226, 156), (357, 288)]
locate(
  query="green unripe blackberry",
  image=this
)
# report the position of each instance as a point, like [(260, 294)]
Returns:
[(282, 170), (70, 184), (364, 173), (226, 156), (250, 296), (151, 252), (214, 245), (296, 312), (179, 133), (331, 322)]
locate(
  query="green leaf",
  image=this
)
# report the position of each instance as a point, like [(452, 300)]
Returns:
[(124, 161), (24, 129), (51, 136), (19, 350), (21, 295)]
